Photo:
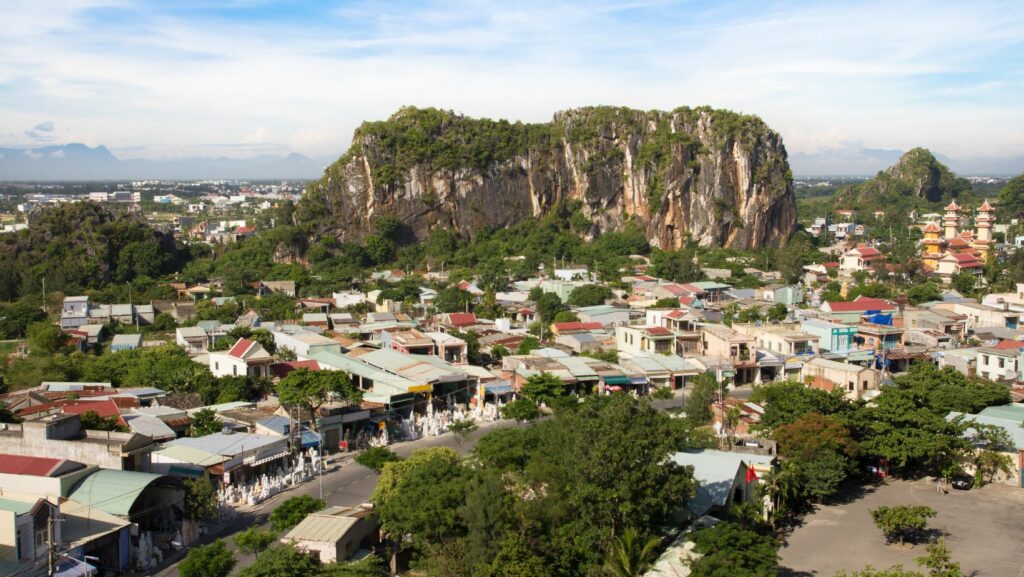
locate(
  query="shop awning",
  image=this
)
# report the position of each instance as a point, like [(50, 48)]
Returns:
[(185, 471), (616, 380), (310, 439), (268, 459)]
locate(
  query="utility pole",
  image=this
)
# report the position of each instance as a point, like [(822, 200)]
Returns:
[(51, 548)]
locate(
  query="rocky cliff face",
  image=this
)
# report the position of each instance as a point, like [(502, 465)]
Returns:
[(716, 176)]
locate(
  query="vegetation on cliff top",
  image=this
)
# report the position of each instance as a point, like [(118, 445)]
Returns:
[(917, 175), (441, 140)]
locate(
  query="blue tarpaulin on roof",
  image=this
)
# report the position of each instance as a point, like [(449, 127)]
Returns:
[(310, 439), (880, 319)]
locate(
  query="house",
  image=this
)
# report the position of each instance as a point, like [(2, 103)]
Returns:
[(285, 287), (319, 320), (788, 295), (978, 316), (125, 342), (245, 358), (828, 375), (861, 258), (726, 478), (193, 339), (733, 347), (240, 456), (304, 343), (408, 341), (645, 340), (661, 371), (953, 264), (74, 312), (879, 337), (579, 342), (1008, 418), (346, 299), (606, 315), (336, 533), (449, 348), (572, 273), (457, 321), (62, 434), (470, 288), (999, 364), (24, 532), (782, 339), (851, 312)]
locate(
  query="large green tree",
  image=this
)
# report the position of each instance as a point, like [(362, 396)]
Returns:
[(311, 389), (728, 550), (213, 560), (902, 521), (543, 388), (292, 511)]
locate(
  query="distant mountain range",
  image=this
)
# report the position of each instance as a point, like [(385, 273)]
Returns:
[(80, 162), (859, 161)]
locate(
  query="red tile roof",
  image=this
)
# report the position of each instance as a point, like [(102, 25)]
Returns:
[(1008, 344), (569, 326), (657, 331), (861, 303), (931, 227), (240, 348), (867, 251), (282, 369), (20, 465), (830, 264), (953, 206), (104, 409), (985, 207), (461, 319)]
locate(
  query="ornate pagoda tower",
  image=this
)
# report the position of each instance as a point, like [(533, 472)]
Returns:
[(983, 237), (933, 246), (951, 222)]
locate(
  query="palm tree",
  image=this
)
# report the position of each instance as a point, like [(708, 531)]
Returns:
[(780, 486), (631, 555)]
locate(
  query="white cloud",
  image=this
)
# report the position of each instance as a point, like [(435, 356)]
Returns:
[(890, 75)]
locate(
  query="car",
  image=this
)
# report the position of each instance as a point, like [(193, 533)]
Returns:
[(962, 482)]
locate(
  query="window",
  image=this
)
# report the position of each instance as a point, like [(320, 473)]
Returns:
[(1001, 362), (234, 370)]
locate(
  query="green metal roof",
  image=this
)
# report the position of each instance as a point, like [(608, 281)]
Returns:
[(1013, 411), (16, 507), (112, 491)]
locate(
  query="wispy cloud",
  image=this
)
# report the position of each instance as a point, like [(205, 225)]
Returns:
[(165, 78)]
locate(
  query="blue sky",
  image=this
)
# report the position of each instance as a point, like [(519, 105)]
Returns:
[(242, 77)]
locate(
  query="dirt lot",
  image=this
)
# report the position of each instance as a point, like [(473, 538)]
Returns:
[(984, 529)]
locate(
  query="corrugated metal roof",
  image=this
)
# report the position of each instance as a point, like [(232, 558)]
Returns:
[(152, 427), (1013, 411), (716, 471), (192, 455), (322, 528), (1011, 426), (227, 445), (112, 491)]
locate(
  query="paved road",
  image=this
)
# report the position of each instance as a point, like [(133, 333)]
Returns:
[(348, 484)]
